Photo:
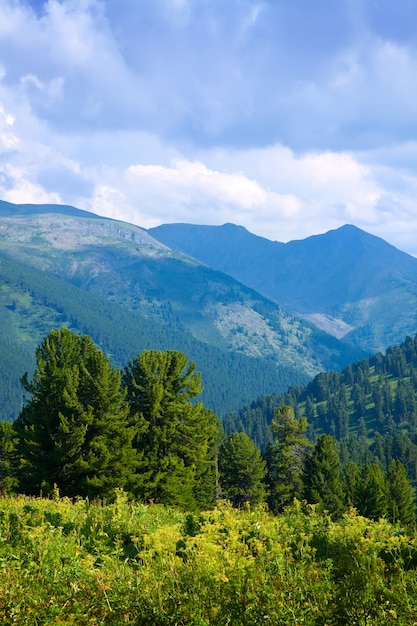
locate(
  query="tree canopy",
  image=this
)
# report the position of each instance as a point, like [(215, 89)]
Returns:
[(286, 458), (242, 471), (73, 431), (176, 437)]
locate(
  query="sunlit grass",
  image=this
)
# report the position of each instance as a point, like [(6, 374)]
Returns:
[(88, 563)]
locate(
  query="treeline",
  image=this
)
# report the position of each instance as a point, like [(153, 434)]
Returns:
[(292, 468), (32, 303), (370, 407), (89, 429)]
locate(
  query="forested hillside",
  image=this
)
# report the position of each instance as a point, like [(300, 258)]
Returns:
[(370, 407), (123, 264), (32, 303), (164, 518), (87, 428)]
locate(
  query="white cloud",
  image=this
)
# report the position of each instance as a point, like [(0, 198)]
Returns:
[(7, 117), (52, 89), (285, 197), (236, 73), (289, 122), (190, 178), (21, 190)]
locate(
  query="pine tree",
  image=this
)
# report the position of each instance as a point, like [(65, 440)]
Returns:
[(371, 493), (177, 437), (401, 501), (323, 477), (73, 431), (286, 458), (242, 471)]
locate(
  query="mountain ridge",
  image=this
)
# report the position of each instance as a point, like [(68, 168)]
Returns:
[(32, 303), (9, 209), (346, 281), (124, 266)]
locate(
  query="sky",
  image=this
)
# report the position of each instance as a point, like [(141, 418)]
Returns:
[(288, 117)]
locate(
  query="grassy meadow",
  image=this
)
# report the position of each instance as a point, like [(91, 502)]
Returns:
[(88, 563)]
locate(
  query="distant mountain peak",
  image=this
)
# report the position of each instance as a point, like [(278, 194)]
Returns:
[(10, 209), (346, 278)]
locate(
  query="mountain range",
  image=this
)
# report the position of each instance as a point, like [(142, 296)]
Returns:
[(255, 316), (113, 281), (348, 282)]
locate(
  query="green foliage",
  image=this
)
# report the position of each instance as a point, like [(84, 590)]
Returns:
[(85, 563), (73, 430), (8, 481), (242, 471), (371, 493), (401, 500), (286, 458), (254, 420), (176, 437), (323, 477), (370, 407)]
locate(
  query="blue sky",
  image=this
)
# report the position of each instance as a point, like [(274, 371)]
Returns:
[(290, 117)]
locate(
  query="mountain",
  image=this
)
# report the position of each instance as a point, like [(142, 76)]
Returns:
[(352, 284), (32, 303), (113, 281)]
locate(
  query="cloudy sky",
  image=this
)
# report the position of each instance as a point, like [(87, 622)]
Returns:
[(289, 117)]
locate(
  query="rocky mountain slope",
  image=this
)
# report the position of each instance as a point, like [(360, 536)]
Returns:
[(350, 283), (61, 266), (125, 265)]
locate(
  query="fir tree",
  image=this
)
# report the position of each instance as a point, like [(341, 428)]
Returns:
[(323, 477), (177, 437), (371, 493), (351, 479), (286, 458), (73, 431), (8, 481), (242, 471), (401, 502)]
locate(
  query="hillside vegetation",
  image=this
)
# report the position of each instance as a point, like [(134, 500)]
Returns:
[(370, 407), (125, 563), (33, 302), (89, 431), (123, 264)]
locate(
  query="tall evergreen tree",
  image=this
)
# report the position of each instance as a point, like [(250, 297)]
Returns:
[(286, 458), (73, 430), (371, 493), (323, 477), (242, 471), (177, 437), (401, 502)]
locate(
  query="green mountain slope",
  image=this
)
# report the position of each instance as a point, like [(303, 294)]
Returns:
[(370, 407), (125, 265), (347, 282), (33, 302)]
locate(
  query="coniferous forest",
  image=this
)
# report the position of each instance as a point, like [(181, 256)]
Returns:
[(370, 407), (137, 505)]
